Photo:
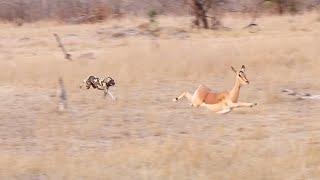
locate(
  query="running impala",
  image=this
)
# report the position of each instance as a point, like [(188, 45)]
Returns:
[(220, 102)]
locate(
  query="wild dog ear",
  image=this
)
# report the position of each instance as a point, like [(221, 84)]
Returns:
[(234, 70), (243, 68)]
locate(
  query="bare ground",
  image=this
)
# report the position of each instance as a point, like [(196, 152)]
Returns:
[(144, 135)]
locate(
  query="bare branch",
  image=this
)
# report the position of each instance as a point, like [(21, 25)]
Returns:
[(63, 49)]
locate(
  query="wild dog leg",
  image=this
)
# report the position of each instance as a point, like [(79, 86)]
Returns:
[(107, 92), (110, 94)]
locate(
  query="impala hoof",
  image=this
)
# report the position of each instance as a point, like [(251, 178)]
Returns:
[(175, 99)]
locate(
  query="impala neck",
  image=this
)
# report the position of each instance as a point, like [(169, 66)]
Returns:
[(235, 91)]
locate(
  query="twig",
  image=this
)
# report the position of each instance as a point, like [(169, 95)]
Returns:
[(301, 95), (63, 49)]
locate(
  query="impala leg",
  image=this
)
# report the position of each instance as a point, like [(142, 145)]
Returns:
[(242, 104), (184, 94), (225, 110), (213, 107)]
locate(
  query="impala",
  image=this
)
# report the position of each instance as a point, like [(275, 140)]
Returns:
[(220, 102)]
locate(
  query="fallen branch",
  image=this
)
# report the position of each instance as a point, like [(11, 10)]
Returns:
[(63, 49), (250, 25), (253, 27)]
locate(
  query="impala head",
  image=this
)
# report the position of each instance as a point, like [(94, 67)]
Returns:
[(241, 75)]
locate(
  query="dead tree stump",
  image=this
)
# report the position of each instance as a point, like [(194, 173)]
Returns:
[(199, 10), (62, 95)]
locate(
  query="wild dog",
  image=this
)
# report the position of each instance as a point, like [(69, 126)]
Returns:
[(100, 84)]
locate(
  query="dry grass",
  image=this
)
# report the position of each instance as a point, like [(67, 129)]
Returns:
[(190, 159), (144, 135)]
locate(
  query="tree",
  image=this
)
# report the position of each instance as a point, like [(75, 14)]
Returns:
[(285, 5), (199, 9)]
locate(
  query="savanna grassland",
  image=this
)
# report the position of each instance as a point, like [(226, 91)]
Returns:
[(144, 135)]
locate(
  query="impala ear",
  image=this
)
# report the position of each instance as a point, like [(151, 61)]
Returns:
[(243, 68), (234, 70)]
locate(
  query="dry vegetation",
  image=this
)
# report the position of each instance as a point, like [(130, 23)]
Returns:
[(144, 135)]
